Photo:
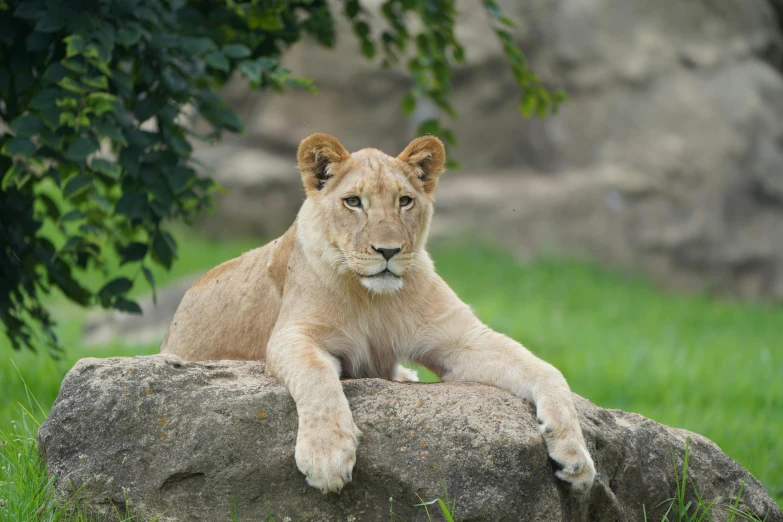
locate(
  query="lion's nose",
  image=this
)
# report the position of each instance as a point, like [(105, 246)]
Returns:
[(387, 253)]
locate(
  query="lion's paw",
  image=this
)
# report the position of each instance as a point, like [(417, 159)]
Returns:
[(404, 374), (573, 465), (567, 449), (326, 456)]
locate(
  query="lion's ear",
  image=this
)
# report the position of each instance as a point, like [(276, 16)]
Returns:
[(317, 154), (428, 157)]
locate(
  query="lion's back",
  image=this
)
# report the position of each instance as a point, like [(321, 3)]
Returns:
[(229, 313)]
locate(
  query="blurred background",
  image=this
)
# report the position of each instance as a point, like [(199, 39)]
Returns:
[(634, 239)]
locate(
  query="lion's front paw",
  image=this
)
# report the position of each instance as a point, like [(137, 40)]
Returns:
[(567, 449), (573, 464), (326, 456)]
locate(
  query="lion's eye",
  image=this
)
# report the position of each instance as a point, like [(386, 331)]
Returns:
[(405, 201), (353, 201)]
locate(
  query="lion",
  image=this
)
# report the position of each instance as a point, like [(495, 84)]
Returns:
[(349, 291)]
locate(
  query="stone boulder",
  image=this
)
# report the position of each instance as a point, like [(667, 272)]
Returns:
[(196, 441), (683, 240), (263, 189)]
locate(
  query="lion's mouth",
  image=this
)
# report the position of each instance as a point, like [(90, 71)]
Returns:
[(384, 273)]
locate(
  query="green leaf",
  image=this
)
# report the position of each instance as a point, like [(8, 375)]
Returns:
[(75, 66), (27, 125), (133, 252), (145, 109), (362, 29), (96, 82), (74, 44), (236, 51), (494, 10), (115, 287), (102, 203), (44, 99), (179, 145), (76, 185), (107, 168), (164, 248), (196, 46), (429, 127), (146, 14), (270, 22), (225, 118), (60, 274), (302, 83), (409, 104), (69, 84), (72, 215), (29, 10), (49, 24), (173, 81), (129, 34), (266, 63), (528, 104), (368, 49), (251, 69), (67, 103), (12, 175), (151, 280), (126, 305), (352, 8), (80, 149), (38, 41), (55, 73), (218, 61), (52, 209), (179, 179), (132, 205), (19, 147), (23, 81), (123, 82), (92, 231), (106, 129)]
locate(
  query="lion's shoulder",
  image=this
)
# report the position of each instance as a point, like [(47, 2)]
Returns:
[(281, 250)]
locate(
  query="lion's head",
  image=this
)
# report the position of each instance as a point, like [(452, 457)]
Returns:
[(371, 211)]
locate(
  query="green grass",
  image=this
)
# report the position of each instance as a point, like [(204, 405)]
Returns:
[(708, 366), (680, 509)]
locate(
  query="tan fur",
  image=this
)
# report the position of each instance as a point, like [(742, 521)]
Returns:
[(323, 301), (216, 272)]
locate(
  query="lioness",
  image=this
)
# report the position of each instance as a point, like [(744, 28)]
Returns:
[(349, 290)]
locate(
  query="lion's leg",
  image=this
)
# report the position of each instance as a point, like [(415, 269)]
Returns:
[(327, 437), (477, 353), (403, 374)]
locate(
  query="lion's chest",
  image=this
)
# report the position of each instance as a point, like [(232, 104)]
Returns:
[(372, 342)]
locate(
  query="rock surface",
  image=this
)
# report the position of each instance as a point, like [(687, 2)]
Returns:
[(194, 441)]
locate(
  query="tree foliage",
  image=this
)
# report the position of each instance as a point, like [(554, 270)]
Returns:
[(95, 153)]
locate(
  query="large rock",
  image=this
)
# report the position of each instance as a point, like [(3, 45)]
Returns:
[(194, 441), (263, 189), (695, 240)]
